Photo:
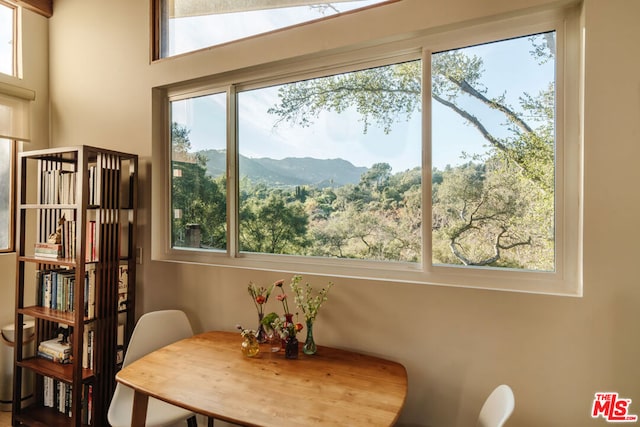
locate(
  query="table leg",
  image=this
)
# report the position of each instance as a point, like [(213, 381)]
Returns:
[(139, 411)]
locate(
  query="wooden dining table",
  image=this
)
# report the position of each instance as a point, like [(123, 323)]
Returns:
[(209, 375)]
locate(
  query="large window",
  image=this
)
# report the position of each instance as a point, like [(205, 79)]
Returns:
[(7, 156), (7, 38), (364, 170), (187, 25)]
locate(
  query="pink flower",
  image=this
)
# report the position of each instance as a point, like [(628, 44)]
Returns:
[(281, 297)]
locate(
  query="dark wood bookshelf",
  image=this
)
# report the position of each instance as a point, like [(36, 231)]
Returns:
[(85, 195)]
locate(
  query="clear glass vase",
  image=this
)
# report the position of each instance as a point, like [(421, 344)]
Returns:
[(274, 340), (309, 344), (261, 334)]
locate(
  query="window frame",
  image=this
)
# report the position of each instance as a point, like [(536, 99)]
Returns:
[(12, 195), (565, 280), (15, 68)]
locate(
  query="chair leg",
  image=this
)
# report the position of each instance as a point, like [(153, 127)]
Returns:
[(210, 421), (192, 422)]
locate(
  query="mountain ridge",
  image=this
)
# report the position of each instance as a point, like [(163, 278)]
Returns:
[(290, 171)]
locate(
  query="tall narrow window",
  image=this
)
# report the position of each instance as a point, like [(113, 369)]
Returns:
[(198, 173), (7, 160), (7, 39), (188, 25), (493, 151)]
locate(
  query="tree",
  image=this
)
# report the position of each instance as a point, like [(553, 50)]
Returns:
[(272, 226), (519, 166)]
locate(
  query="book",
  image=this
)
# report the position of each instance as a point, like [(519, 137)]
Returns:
[(52, 358), (48, 250), (55, 350), (88, 346), (92, 242), (48, 392), (123, 286), (90, 291)]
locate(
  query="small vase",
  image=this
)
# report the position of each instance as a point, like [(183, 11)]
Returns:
[(275, 342), (261, 335), (309, 344), (250, 346), (288, 320), (291, 349)]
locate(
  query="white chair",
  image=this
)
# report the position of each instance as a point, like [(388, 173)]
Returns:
[(497, 408), (153, 331)]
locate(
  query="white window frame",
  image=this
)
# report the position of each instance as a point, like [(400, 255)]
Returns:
[(16, 60), (565, 280)]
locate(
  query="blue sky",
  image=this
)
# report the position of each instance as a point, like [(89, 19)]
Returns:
[(509, 69), (192, 33)]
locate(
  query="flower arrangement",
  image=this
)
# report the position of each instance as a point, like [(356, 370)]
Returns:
[(246, 333), (249, 346), (272, 325), (281, 326), (259, 295), (282, 297), (306, 300)]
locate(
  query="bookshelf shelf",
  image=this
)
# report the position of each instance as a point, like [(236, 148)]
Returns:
[(38, 416), (49, 314), (48, 206), (62, 262), (58, 371), (75, 278)]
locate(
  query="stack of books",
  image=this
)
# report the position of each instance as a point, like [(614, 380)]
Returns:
[(55, 350), (48, 250)]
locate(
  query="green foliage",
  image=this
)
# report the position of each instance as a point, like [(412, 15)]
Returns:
[(272, 225), (382, 94)]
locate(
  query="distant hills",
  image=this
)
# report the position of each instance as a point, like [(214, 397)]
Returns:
[(290, 171)]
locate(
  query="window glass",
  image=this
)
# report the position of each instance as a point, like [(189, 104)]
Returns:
[(7, 42), (493, 151), (198, 173), (188, 25), (324, 173), (6, 195)]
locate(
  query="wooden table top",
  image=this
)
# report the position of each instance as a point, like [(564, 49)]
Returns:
[(209, 375)]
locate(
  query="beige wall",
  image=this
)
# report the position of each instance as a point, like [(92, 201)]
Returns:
[(457, 344)]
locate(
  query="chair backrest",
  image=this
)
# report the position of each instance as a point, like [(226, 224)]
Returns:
[(155, 330), (497, 408)]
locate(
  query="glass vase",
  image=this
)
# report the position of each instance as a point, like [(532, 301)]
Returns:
[(250, 346), (261, 334), (309, 344), (291, 348), (288, 320), (274, 340)]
